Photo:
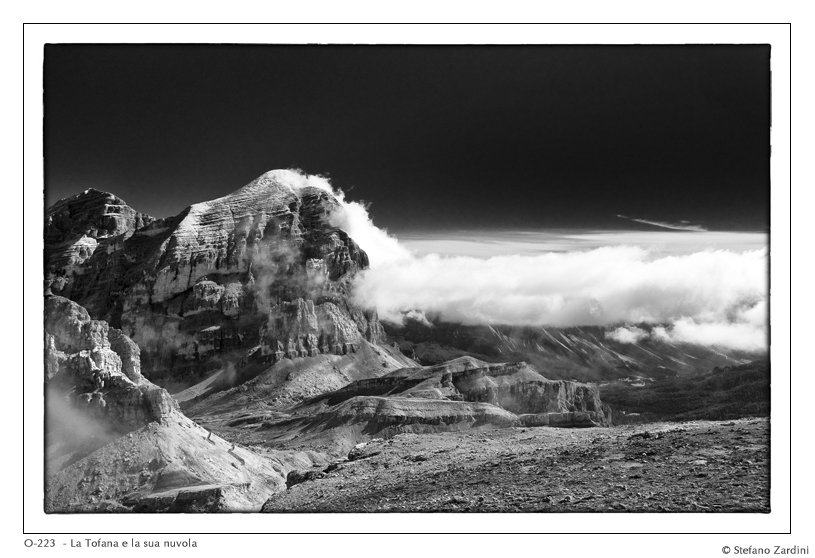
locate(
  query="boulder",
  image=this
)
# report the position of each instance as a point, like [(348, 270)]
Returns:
[(300, 476)]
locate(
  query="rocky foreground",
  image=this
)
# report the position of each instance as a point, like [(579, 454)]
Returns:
[(662, 467)]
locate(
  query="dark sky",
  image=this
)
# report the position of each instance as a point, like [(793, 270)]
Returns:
[(434, 137)]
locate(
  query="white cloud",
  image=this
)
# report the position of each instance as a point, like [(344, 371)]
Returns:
[(627, 334), (746, 329), (419, 316), (710, 296), (382, 249), (731, 335), (601, 286)]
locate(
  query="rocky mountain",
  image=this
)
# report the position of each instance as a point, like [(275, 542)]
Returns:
[(251, 278)]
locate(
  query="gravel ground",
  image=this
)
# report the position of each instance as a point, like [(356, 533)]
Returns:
[(698, 466)]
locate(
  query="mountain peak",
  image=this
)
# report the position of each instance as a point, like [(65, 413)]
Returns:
[(260, 270), (93, 214), (89, 196), (279, 182)]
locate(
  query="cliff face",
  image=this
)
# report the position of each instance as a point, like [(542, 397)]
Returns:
[(258, 275), (116, 442), (93, 373), (76, 227)]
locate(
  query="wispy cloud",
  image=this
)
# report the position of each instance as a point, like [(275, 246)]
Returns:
[(680, 226), (486, 244)]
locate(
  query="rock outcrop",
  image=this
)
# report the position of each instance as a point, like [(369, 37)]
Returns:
[(462, 394), (253, 277), (116, 442), (76, 227), (514, 387), (93, 369)]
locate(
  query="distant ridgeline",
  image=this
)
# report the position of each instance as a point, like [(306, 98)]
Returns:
[(585, 353)]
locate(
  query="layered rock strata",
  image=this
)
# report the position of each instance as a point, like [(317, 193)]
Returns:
[(462, 394), (76, 227), (256, 276), (514, 387)]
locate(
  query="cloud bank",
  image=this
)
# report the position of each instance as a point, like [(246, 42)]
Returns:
[(710, 297)]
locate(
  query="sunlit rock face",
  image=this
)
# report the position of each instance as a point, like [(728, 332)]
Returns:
[(93, 371), (116, 442), (259, 273), (79, 226)]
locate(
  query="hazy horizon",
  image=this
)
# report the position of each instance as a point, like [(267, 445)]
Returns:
[(485, 243)]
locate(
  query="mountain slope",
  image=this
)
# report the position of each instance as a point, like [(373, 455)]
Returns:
[(721, 393), (586, 353)]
